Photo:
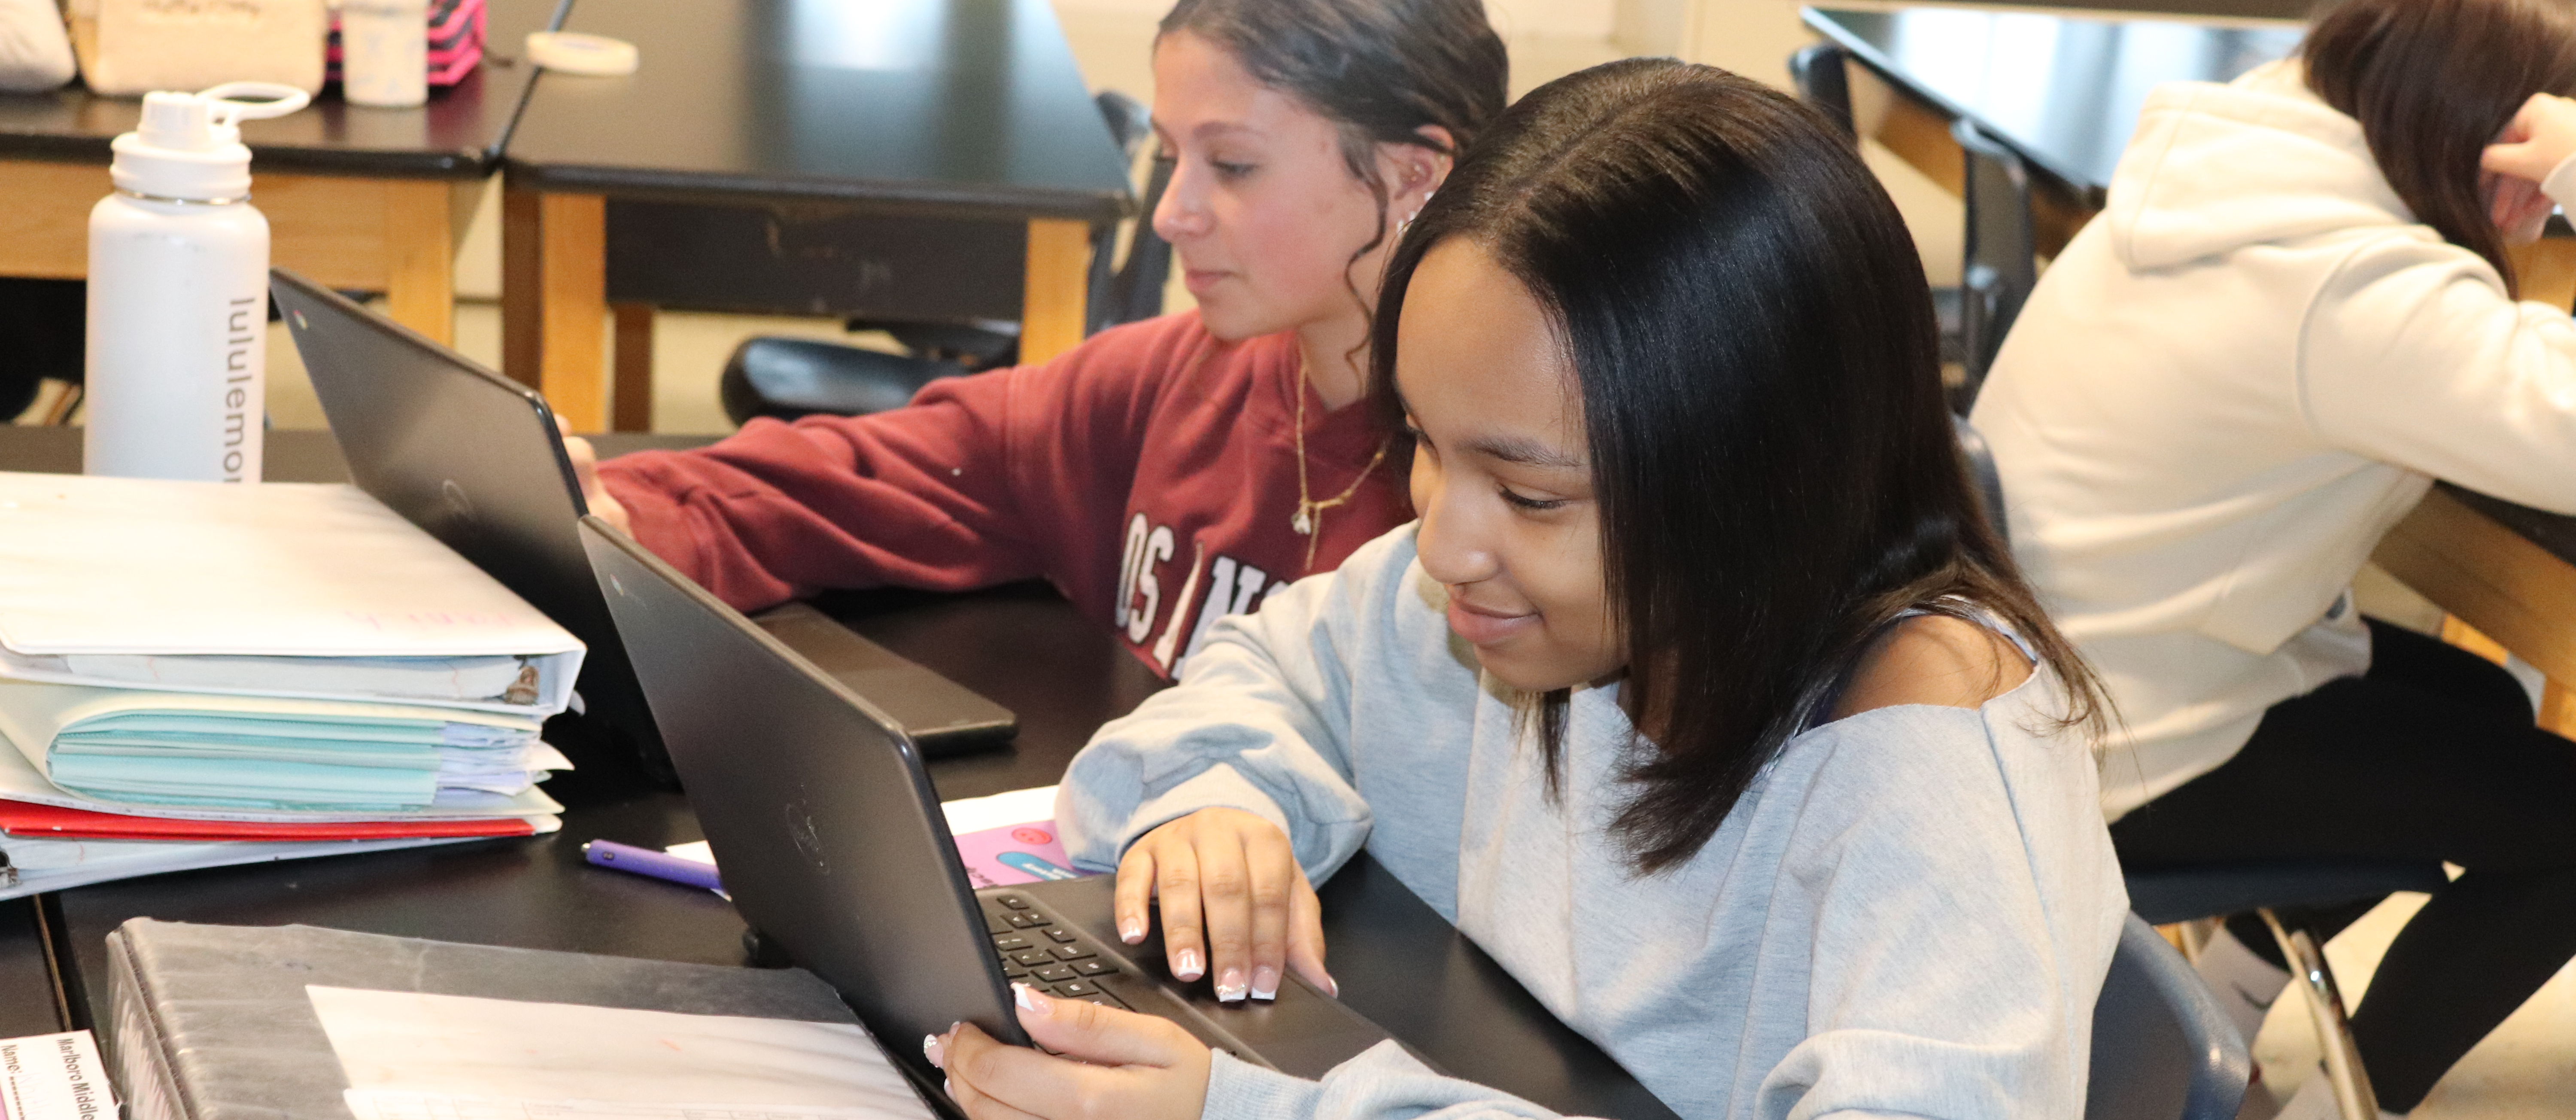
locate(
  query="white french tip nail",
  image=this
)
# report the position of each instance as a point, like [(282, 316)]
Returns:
[(1026, 999), (1131, 931), (1189, 965), (930, 1048)]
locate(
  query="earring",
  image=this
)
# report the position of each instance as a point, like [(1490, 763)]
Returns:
[(1407, 223)]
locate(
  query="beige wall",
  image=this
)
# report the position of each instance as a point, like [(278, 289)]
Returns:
[(1550, 38)]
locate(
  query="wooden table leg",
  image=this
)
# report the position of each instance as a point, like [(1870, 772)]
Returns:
[(421, 229), (2502, 591), (1057, 295), (2545, 270), (632, 394), (554, 301)]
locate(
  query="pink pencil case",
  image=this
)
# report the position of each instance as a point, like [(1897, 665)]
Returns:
[(455, 41)]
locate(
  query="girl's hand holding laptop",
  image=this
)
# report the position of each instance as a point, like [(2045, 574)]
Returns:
[(1135, 1067)]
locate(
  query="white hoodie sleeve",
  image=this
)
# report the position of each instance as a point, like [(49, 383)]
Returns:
[(2413, 355)]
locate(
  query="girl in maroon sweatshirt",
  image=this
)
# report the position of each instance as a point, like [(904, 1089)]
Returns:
[(1167, 473)]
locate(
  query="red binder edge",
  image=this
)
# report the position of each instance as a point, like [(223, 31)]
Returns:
[(27, 819)]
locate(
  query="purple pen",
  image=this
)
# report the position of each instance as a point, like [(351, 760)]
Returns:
[(645, 861)]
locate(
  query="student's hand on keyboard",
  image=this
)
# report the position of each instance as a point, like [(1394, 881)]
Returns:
[(1235, 903), (585, 467), (1115, 1063)]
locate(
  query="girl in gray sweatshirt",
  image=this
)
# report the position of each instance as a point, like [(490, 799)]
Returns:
[(1701, 695)]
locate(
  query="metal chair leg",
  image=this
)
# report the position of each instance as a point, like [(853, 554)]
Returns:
[(2351, 1083)]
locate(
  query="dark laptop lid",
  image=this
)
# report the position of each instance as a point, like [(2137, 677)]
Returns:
[(831, 839), (474, 459)]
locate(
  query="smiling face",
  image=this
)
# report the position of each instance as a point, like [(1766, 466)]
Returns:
[(1501, 474), (1262, 209)]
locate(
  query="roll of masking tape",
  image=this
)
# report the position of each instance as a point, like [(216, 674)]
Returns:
[(571, 52)]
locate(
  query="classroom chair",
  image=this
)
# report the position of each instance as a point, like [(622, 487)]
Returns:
[(2162, 1049), (1979, 460), (2001, 264), (2170, 895), (2188, 894), (791, 377), (1817, 72)]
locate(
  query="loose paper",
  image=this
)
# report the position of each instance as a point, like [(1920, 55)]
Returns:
[(414, 1056), (54, 1077), (387, 1105)]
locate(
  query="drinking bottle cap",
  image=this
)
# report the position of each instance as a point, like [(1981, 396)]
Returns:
[(188, 146)]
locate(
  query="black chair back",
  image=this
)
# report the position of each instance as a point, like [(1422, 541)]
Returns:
[(1135, 291), (2002, 260), (1822, 82), (1979, 460)]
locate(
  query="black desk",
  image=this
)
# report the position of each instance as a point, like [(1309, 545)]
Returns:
[(968, 110), (2062, 91), (2197, 10), (537, 893), (358, 198), (1021, 645)]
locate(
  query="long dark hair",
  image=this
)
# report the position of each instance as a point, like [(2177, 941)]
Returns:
[(1760, 376), (1381, 69), (2432, 82)]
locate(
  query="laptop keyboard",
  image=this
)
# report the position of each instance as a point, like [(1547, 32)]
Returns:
[(1043, 953)]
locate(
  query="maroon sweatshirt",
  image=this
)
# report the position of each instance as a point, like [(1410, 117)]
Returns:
[(1150, 474)]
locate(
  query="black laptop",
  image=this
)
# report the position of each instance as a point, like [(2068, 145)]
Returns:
[(475, 459), (834, 848)]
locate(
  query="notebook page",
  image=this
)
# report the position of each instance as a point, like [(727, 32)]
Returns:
[(401, 1048)]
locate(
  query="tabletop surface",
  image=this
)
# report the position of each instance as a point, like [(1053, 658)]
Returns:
[(1021, 645), (458, 134), (969, 108), (2063, 91)]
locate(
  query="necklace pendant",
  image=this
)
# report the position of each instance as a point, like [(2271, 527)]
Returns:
[(1303, 523)]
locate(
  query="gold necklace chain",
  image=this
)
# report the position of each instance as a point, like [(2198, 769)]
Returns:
[(1308, 521)]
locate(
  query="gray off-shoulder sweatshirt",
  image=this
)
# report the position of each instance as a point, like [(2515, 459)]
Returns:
[(1908, 915)]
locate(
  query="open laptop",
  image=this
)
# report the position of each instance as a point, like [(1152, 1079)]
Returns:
[(834, 849), (475, 459)]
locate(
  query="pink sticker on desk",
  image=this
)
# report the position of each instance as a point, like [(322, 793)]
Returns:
[(1014, 854)]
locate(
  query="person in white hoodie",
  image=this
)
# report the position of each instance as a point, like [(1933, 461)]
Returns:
[(2293, 316), (1698, 696)]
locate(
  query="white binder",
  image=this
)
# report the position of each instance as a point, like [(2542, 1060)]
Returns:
[(279, 589)]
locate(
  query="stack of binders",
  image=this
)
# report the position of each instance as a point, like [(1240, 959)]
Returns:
[(196, 674)]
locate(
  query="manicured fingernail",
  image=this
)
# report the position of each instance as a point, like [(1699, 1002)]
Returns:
[(1265, 983), (1131, 930), (1229, 985), (1332, 987), (931, 1049), (1186, 966), (1030, 1001)]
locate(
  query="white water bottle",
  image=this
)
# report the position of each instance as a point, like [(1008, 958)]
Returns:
[(384, 52), (178, 293)]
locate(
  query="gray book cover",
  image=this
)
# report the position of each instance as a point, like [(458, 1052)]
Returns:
[(212, 1022)]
